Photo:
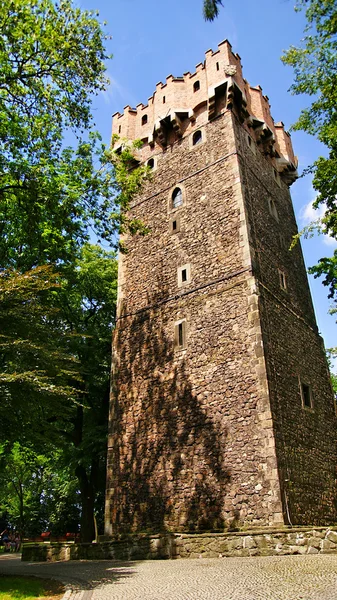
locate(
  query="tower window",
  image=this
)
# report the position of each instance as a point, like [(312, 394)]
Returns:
[(150, 163), (180, 335), (197, 137), (196, 86), (283, 281), (177, 197), (184, 275), (164, 99), (272, 208), (306, 395), (217, 66), (175, 225), (119, 129), (277, 177), (144, 119)]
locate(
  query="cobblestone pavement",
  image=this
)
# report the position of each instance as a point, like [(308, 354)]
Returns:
[(309, 577)]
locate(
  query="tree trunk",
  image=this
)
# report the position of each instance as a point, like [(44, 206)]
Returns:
[(87, 533)]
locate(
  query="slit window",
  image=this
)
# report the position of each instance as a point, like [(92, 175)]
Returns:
[(180, 335), (306, 395), (272, 208), (196, 86), (277, 177), (283, 280), (197, 137), (175, 225), (144, 119), (119, 129), (217, 66), (184, 275), (164, 99), (177, 197)]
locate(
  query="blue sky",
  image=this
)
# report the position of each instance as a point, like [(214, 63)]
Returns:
[(154, 38)]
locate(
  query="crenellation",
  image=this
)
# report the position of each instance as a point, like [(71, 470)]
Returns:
[(184, 102)]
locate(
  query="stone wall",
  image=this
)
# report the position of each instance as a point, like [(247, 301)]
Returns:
[(213, 433), (294, 352), (191, 441), (207, 545)]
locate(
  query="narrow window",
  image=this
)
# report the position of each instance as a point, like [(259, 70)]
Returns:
[(175, 225), (277, 177), (177, 197), (306, 395), (197, 137), (272, 208), (180, 335), (119, 129), (196, 86), (283, 281), (144, 119), (164, 99), (282, 242), (184, 275), (150, 163), (217, 66)]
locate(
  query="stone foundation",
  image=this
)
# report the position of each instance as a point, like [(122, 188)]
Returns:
[(264, 542)]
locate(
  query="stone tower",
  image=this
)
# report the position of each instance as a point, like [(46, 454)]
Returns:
[(223, 412)]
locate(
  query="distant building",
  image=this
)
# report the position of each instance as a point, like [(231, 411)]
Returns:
[(223, 412)]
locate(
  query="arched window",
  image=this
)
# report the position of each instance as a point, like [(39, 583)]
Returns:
[(150, 163), (196, 86), (197, 137), (177, 197), (144, 119)]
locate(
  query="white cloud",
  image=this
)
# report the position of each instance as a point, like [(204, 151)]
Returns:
[(116, 91), (308, 214)]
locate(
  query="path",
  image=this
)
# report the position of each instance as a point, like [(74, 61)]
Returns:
[(312, 577)]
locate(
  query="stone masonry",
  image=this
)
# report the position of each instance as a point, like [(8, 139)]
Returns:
[(222, 411)]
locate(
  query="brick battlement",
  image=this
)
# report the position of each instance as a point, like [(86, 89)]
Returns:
[(181, 105)]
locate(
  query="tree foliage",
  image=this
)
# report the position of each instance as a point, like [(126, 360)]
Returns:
[(58, 184), (52, 195), (36, 369), (211, 9), (315, 69), (37, 492)]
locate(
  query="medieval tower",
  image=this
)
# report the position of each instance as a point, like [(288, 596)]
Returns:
[(222, 411)]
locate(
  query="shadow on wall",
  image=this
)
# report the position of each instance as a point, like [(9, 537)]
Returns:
[(167, 464)]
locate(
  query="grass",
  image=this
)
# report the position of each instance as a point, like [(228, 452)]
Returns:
[(29, 588)]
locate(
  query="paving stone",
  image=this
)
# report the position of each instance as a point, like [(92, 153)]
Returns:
[(259, 578)]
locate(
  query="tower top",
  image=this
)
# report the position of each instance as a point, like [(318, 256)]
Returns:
[(185, 102)]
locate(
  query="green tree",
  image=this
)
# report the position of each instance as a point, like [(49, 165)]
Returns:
[(211, 9), (37, 372), (51, 196), (37, 493), (86, 303), (315, 69), (55, 344)]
